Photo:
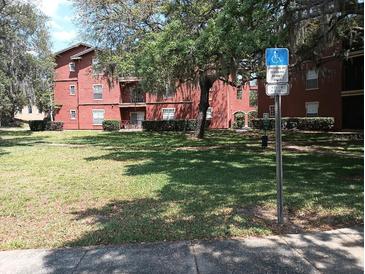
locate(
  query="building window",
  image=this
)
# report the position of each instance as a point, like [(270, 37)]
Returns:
[(96, 68), (98, 92), (312, 79), (98, 116), (169, 91), (30, 110), (253, 82), (72, 89), (311, 109), (209, 113), (168, 113), (272, 111), (253, 98), (239, 94), (72, 114), (72, 66), (39, 110)]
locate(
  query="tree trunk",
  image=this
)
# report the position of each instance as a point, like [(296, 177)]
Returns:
[(205, 83)]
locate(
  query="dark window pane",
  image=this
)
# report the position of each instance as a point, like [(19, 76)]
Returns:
[(253, 98), (239, 94)]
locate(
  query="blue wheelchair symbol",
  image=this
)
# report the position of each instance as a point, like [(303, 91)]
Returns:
[(277, 57)]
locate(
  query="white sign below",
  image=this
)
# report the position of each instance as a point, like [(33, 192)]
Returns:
[(277, 89), (277, 74)]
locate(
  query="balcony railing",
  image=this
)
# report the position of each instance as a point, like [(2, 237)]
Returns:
[(138, 99), (131, 124), (133, 100)]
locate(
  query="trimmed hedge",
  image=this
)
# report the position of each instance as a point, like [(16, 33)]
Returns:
[(37, 125), (41, 125), (54, 126), (171, 125), (111, 125), (301, 123)]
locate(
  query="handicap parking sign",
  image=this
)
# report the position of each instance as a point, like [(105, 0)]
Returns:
[(277, 61), (277, 57)]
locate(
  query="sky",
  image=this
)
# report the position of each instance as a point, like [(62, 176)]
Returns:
[(62, 28)]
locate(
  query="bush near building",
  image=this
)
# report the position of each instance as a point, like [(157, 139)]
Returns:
[(171, 125), (306, 123), (41, 125), (37, 125), (54, 126), (239, 120), (111, 125)]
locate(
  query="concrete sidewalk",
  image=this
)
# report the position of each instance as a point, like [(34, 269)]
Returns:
[(336, 251)]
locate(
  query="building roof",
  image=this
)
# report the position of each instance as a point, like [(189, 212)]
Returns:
[(71, 47), (78, 55)]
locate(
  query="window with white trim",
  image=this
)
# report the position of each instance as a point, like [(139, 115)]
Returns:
[(311, 109), (73, 114), (209, 113), (72, 89), (312, 79), (272, 111), (98, 92), (72, 66), (168, 113), (98, 116), (96, 68)]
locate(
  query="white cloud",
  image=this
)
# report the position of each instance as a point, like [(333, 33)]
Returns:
[(54, 25), (50, 7), (64, 35), (68, 18)]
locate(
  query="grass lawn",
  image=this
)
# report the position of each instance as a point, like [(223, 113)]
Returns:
[(77, 188)]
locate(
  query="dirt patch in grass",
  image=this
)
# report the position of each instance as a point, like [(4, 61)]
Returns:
[(296, 221)]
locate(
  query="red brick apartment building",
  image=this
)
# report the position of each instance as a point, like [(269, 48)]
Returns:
[(335, 89), (84, 99)]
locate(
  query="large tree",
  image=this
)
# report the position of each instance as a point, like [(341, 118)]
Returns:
[(26, 63), (167, 43)]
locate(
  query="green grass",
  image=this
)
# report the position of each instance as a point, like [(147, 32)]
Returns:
[(76, 188)]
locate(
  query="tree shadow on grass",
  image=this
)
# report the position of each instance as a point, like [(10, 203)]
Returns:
[(203, 198), (206, 191), (20, 138), (164, 140)]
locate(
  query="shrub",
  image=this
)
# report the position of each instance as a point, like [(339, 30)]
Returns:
[(37, 125), (111, 125), (301, 123), (251, 115), (54, 126), (239, 120), (171, 125)]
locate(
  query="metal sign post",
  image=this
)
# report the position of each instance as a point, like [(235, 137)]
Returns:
[(277, 61), (279, 160)]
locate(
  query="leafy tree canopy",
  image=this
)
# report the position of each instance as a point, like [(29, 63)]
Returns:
[(166, 43), (26, 63)]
